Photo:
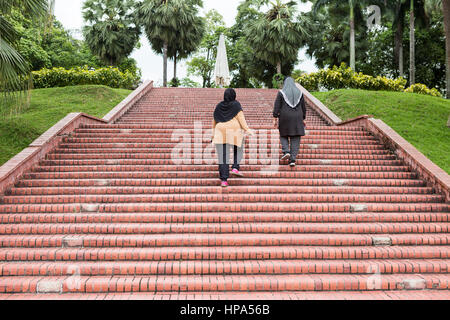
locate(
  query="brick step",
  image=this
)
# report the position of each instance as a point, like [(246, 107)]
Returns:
[(167, 159), (158, 143), (213, 182), (147, 133), (232, 268), (211, 240), (201, 175), (112, 166), (225, 198), (210, 283), (209, 152), (109, 134), (148, 162), (150, 148), (222, 217), (223, 253), (224, 207), (204, 228), (243, 296), (167, 128), (217, 190)]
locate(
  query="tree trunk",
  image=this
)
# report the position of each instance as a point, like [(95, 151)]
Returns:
[(279, 67), (352, 38), (412, 47), (175, 67), (165, 65), (208, 80), (399, 48), (446, 10)]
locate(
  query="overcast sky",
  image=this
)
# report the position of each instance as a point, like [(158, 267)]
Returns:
[(69, 13)]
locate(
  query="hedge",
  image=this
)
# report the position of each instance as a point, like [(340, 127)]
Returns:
[(345, 78), (60, 77)]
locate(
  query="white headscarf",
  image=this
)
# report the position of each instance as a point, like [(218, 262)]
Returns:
[(292, 95)]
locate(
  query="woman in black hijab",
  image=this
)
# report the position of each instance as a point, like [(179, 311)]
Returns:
[(290, 111), (228, 131)]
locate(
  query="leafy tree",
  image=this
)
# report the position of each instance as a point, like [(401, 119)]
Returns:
[(13, 66), (172, 27), (278, 35), (328, 39), (111, 32), (353, 6), (442, 8), (397, 10)]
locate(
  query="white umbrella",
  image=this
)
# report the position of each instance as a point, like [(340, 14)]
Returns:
[(222, 72)]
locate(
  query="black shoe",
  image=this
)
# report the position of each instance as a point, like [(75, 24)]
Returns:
[(292, 164)]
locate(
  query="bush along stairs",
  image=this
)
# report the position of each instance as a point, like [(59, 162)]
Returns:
[(135, 207)]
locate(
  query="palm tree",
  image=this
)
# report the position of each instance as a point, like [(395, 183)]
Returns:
[(111, 31), (412, 45), (187, 40), (351, 3), (172, 27), (397, 10), (277, 36), (443, 6), (13, 67)]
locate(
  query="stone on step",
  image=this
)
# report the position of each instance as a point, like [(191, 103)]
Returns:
[(49, 286), (72, 242), (381, 241), (313, 146), (89, 207), (103, 183), (358, 208), (340, 182), (413, 284), (326, 161)]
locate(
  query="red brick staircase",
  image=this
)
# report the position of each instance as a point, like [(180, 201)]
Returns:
[(108, 213)]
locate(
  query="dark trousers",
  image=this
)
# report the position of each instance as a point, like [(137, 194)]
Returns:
[(223, 153), (291, 145)]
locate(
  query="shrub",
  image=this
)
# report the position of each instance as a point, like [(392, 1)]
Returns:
[(277, 81), (423, 89), (345, 78), (60, 77)]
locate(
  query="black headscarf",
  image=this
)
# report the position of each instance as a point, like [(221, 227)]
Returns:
[(229, 108)]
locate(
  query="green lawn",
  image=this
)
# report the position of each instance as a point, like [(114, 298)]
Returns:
[(420, 119), (47, 107)]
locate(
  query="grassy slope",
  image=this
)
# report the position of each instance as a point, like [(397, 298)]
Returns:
[(419, 119), (47, 107)]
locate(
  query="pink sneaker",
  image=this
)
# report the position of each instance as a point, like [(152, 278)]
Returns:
[(224, 184), (236, 173)]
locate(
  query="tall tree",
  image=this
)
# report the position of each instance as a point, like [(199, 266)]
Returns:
[(443, 7), (13, 67), (111, 32), (351, 4), (173, 27), (412, 45), (398, 9), (329, 37), (278, 35), (446, 12)]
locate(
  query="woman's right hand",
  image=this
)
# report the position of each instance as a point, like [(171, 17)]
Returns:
[(275, 123), (250, 132)]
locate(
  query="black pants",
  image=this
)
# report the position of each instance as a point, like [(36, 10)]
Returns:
[(291, 145), (223, 153)]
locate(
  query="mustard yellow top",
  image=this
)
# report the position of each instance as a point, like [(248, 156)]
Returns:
[(231, 132)]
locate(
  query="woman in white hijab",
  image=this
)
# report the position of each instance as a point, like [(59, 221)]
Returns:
[(290, 114)]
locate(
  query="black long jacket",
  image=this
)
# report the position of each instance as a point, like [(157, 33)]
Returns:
[(291, 119)]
